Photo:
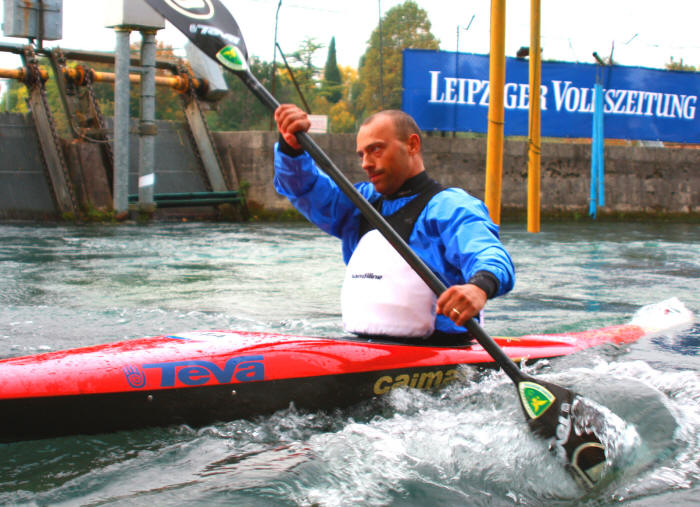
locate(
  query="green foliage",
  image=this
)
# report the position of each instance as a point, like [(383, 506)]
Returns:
[(240, 110), (332, 82), (403, 26), (14, 100)]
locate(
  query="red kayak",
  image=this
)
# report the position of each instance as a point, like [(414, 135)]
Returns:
[(197, 378)]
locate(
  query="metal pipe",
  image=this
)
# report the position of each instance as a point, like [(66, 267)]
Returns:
[(87, 56), (179, 83), (497, 82), (121, 122), (533, 151), (78, 74), (147, 125), (20, 74)]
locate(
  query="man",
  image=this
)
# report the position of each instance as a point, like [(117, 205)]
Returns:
[(449, 229)]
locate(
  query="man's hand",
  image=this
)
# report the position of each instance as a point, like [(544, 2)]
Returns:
[(290, 120), (461, 302)]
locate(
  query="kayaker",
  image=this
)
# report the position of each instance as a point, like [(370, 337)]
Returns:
[(449, 229)]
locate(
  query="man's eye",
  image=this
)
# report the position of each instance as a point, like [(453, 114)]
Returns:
[(372, 150)]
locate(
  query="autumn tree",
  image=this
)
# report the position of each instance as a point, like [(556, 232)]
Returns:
[(404, 26)]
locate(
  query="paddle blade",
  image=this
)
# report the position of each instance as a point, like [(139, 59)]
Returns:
[(551, 413), (210, 27)]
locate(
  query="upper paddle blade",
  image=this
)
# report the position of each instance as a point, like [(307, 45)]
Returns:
[(210, 27), (551, 413)]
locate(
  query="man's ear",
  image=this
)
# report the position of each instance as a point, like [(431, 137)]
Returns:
[(413, 144)]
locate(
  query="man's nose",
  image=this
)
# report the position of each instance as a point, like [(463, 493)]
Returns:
[(367, 161)]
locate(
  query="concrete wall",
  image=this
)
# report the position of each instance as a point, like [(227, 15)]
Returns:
[(637, 179)]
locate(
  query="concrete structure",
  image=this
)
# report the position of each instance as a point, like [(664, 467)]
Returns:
[(25, 188), (639, 180)]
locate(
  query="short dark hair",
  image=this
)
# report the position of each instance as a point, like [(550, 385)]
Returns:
[(404, 123)]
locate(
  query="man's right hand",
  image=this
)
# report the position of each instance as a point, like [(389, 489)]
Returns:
[(290, 120)]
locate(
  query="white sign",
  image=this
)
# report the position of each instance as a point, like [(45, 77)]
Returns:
[(319, 123)]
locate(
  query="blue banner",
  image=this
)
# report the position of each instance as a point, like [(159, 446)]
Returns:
[(450, 91)]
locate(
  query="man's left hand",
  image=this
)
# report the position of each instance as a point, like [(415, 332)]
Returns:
[(461, 302)]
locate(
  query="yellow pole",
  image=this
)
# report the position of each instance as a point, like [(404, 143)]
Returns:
[(533, 153), (497, 82)]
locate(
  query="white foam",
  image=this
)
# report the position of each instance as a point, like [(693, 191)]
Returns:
[(666, 317)]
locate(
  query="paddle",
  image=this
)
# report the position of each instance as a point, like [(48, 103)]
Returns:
[(549, 409)]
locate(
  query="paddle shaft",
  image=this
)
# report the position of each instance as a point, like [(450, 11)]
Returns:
[(376, 219)]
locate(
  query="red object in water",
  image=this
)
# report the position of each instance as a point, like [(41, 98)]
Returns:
[(201, 377)]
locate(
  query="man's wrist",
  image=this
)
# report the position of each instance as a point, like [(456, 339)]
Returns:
[(486, 281), (287, 149)]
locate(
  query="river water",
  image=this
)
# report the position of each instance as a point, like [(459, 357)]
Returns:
[(66, 286)]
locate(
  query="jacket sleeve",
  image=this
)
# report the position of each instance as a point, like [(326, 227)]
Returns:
[(469, 240), (315, 194)]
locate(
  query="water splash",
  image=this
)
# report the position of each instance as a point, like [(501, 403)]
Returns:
[(665, 410)]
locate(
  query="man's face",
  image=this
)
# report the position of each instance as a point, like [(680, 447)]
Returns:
[(385, 158)]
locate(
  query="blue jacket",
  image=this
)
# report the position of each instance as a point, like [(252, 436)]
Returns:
[(453, 234)]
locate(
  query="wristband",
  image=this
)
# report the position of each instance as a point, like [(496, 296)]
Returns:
[(486, 281)]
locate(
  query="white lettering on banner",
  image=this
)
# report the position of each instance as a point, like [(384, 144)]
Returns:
[(632, 102), (573, 99), (475, 86), (567, 97), (643, 103), (456, 90), (470, 92), (485, 96)]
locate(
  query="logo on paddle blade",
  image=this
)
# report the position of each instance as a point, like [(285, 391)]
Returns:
[(535, 398), (231, 57), (195, 9)]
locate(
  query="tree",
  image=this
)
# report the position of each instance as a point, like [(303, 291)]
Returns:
[(239, 110), (341, 119), (332, 83), (403, 26), (674, 65), (307, 73)]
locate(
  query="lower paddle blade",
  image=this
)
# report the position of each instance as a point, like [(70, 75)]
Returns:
[(551, 413)]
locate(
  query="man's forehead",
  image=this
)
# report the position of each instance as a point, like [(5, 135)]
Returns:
[(381, 128)]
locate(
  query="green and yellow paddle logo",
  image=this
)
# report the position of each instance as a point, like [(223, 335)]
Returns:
[(231, 57), (535, 398)]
